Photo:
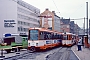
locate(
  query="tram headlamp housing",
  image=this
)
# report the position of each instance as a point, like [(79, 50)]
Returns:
[(36, 44), (28, 44)]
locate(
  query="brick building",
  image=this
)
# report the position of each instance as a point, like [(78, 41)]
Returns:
[(65, 25)]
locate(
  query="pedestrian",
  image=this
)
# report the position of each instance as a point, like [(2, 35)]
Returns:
[(79, 44)]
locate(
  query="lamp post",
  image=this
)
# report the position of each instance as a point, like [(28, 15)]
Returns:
[(84, 27)]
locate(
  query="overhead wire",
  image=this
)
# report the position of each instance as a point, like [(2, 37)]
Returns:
[(74, 11), (71, 14), (56, 7), (78, 19)]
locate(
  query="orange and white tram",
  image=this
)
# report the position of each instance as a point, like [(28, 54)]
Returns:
[(42, 39), (69, 39)]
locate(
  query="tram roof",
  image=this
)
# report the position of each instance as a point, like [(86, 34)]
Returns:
[(47, 30)]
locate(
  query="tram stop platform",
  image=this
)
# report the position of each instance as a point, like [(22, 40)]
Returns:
[(81, 55)]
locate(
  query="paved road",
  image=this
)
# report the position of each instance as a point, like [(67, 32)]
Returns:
[(63, 54), (54, 54), (72, 56)]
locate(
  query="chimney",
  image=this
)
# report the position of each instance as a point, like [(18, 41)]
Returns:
[(47, 9), (53, 12)]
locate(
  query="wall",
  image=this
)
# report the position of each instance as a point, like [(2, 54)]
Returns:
[(8, 15)]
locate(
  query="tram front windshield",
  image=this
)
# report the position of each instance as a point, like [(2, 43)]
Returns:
[(33, 34)]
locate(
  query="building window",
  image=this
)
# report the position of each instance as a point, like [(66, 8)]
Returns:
[(18, 28), (18, 22), (24, 29), (21, 29), (21, 22)]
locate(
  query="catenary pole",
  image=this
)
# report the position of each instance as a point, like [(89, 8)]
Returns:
[(87, 16), (84, 25)]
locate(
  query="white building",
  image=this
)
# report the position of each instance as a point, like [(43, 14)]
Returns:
[(16, 16), (56, 22)]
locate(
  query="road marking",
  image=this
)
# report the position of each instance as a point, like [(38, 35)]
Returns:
[(76, 55)]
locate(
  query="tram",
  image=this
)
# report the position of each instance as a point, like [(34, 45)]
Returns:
[(42, 39), (69, 39)]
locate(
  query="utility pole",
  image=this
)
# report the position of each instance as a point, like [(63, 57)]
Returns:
[(84, 26), (87, 16), (89, 27)]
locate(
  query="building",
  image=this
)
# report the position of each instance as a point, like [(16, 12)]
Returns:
[(72, 27), (16, 16), (50, 20), (47, 20), (65, 25), (77, 28), (81, 31), (56, 22)]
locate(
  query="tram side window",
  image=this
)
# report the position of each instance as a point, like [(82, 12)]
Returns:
[(46, 35), (41, 35), (61, 36), (51, 36), (57, 36), (54, 36)]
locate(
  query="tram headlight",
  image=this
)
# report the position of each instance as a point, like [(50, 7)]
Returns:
[(28, 44), (36, 44)]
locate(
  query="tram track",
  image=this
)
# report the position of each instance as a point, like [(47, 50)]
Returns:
[(32, 55), (62, 54), (22, 56), (65, 55)]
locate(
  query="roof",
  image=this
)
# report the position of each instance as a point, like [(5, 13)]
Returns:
[(65, 21)]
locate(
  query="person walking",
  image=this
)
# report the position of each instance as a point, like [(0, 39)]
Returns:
[(79, 44)]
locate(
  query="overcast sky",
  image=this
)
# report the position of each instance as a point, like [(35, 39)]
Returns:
[(72, 9)]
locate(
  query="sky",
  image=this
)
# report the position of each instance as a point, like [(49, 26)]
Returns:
[(73, 9)]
